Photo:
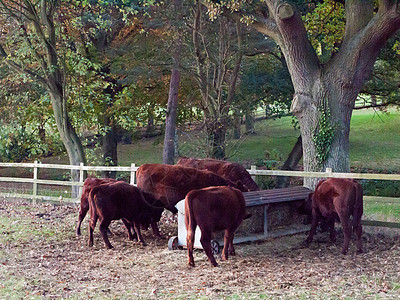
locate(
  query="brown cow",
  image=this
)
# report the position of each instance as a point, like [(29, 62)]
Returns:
[(213, 209), (87, 187), (171, 183), (341, 198), (121, 200), (229, 170)]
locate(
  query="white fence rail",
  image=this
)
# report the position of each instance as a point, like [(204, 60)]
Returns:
[(35, 181)]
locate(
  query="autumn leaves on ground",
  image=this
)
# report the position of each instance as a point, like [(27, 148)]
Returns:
[(40, 257)]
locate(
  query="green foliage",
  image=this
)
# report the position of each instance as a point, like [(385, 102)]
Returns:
[(19, 143), (264, 81), (325, 25), (324, 135), (381, 188)]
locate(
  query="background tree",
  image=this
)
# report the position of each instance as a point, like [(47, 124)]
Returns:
[(32, 47)]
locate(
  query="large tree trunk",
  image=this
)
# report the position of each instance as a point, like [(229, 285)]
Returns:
[(170, 121), (325, 94), (327, 90), (249, 123), (237, 124), (68, 135), (217, 134)]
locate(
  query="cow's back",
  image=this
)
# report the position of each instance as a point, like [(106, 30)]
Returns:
[(229, 170), (171, 183), (215, 208)]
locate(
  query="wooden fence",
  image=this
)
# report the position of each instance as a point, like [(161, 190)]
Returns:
[(35, 181)]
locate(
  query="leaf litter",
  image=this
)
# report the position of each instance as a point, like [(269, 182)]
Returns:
[(41, 257)]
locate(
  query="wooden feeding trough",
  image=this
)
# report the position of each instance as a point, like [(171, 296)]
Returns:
[(274, 212)]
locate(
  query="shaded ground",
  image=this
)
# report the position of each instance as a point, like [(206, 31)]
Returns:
[(40, 257)]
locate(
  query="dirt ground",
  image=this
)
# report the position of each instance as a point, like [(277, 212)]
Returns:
[(40, 257)]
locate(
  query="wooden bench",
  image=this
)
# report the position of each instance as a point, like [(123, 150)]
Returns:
[(274, 213)]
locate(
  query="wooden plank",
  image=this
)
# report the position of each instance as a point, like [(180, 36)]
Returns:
[(374, 199), (325, 174), (275, 195), (380, 224)]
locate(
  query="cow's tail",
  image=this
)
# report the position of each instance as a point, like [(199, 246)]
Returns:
[(190, 220), (358, 205)]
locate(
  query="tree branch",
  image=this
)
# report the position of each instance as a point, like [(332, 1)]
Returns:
[(16, 67)]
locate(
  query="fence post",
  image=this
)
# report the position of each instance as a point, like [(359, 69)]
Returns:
[(253, 168), (133, 174), (35, 177), (81, 174), (329, 171)]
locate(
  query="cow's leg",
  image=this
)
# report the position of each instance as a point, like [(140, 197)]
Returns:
[(128, 225), (313, 227), (205, 241), (137, 230), (191, 229), (228, 244), (332, 231), (92, 225), (82, 213), (104, 230), (344, 220), (156, 231), (358, 231)]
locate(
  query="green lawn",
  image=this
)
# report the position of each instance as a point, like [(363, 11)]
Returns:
[(374, 143)]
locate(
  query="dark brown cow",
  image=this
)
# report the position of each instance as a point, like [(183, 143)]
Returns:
[(341, 198), (170, 183), (229, 170), (121, 200), (213, 209), (87, 187)]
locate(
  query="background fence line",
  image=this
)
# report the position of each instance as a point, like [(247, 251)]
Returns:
[(35, 181), (133, 168)]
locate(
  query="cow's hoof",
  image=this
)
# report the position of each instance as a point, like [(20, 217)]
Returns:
[(344, 252), (308, 240), (360, 251), (191, 264)]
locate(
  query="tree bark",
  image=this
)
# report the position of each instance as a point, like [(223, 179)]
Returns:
[(290, 164), (237, 127), (249, 123), (109, 148), (170, 139), (170, 122), (68, 135)]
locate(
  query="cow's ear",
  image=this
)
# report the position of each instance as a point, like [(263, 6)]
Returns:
[(241, 186)]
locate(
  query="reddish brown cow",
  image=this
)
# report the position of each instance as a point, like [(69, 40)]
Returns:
[(229, 170), (170, 183), (87, 187), (341, 198), (121, 200), (213, 209)]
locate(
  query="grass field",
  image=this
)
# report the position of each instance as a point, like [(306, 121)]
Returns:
[(374, 143)]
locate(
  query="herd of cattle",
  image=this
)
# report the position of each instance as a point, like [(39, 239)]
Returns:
[(214, 201)]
